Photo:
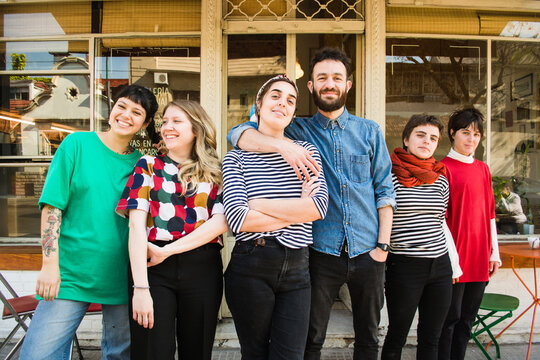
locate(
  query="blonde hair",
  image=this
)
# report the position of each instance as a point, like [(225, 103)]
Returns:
[(203, 165)]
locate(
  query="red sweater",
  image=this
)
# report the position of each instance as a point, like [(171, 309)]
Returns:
[(470, 210)]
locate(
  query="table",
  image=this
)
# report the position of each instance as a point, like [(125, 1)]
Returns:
[(523, 250)]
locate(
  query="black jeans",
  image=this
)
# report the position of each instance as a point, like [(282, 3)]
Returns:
[(365, 278), (416, 283), (466, 300), (186, 290), (268, 292)]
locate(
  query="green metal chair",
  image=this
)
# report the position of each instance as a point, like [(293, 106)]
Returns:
[(499, 308)]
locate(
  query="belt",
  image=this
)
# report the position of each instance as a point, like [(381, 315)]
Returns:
[(262, 240)]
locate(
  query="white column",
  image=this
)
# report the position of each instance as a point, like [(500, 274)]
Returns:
[(375, 16), (211, 62)]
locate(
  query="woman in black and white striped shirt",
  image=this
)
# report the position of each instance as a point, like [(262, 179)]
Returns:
[(419, 269), (267, 283)]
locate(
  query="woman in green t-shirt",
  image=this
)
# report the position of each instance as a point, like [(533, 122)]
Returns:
[(84, 244)]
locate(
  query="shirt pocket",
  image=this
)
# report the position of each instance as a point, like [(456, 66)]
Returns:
[(359, 169)]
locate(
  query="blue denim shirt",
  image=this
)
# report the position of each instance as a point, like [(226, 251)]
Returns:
[(357, 170)]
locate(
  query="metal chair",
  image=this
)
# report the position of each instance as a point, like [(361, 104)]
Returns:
[(20, 308), (93, 309), (499, 307)]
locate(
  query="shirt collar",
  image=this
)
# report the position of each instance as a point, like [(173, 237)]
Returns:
[(325, 122), (453, 154)]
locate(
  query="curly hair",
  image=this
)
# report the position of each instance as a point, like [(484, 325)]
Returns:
[(204, 164)]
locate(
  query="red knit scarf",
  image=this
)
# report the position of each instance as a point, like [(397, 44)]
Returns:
[(412, 171)]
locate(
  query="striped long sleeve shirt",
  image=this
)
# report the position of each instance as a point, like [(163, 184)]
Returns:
[(417, 228), (250, 175)]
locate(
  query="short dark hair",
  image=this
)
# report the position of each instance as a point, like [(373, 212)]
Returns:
[(147, 100), (463, 118), (418, 120), (141, 96), (328, 53)]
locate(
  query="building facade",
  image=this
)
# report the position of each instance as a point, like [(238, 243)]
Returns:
[(62, 63)]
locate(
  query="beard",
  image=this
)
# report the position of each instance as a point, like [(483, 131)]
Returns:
[(329, 105)]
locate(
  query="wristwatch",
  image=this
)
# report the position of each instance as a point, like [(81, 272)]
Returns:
[(383, 247)]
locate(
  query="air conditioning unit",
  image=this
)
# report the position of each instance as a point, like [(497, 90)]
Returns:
[(161, 78)]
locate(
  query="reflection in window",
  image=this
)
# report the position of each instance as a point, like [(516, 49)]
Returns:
[(20, 189), (433, 76), (515, 131), (39, 55), (42, 110)]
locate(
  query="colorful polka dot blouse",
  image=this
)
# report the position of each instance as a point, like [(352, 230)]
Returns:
[(154, 188)]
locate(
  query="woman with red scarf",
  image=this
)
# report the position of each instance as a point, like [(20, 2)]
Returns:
[(419, 268)]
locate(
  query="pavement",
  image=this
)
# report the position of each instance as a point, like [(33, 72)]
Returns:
[(508, 352), (338, 345)]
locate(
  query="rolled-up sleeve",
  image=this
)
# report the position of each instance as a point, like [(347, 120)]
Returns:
[(235, 199), (381, 167), (234, 135), (136, 194)]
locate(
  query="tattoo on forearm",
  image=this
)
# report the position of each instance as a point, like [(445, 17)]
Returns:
[(52, 231)]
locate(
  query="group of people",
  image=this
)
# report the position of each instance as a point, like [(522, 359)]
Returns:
[(314, 203)]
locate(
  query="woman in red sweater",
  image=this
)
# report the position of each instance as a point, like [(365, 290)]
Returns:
[(471, 219)]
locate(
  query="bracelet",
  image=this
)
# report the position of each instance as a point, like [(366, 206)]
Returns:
[(141, 287)]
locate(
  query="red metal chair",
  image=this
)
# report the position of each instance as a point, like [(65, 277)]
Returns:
[(21, 308), (93, 309)]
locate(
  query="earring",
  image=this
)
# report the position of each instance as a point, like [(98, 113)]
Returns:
[(143, 133)]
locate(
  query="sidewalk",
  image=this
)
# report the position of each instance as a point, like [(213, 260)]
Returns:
[(508, 352), (338, 345)]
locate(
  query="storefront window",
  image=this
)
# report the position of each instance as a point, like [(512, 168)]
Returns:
[(433, 76), (515, 131), (252, 59), (20, 189), (37, 111), (45, 87)]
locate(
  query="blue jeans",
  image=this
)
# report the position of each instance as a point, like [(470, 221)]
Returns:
[(365, 279), (54, 324), (268, 292)]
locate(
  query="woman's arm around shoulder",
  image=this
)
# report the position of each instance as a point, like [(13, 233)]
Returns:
[(240, 216), (310, 206)]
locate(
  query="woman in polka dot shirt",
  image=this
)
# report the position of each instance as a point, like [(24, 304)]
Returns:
[(176, 218)]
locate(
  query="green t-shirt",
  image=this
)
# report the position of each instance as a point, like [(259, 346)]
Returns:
[(85, 181)]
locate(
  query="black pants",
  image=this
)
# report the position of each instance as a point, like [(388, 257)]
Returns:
[(466, 300), (416, 283), (186, 290), (268, 292), (365, 278)]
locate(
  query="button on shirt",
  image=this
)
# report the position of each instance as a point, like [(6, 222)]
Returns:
[(357, 170)]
